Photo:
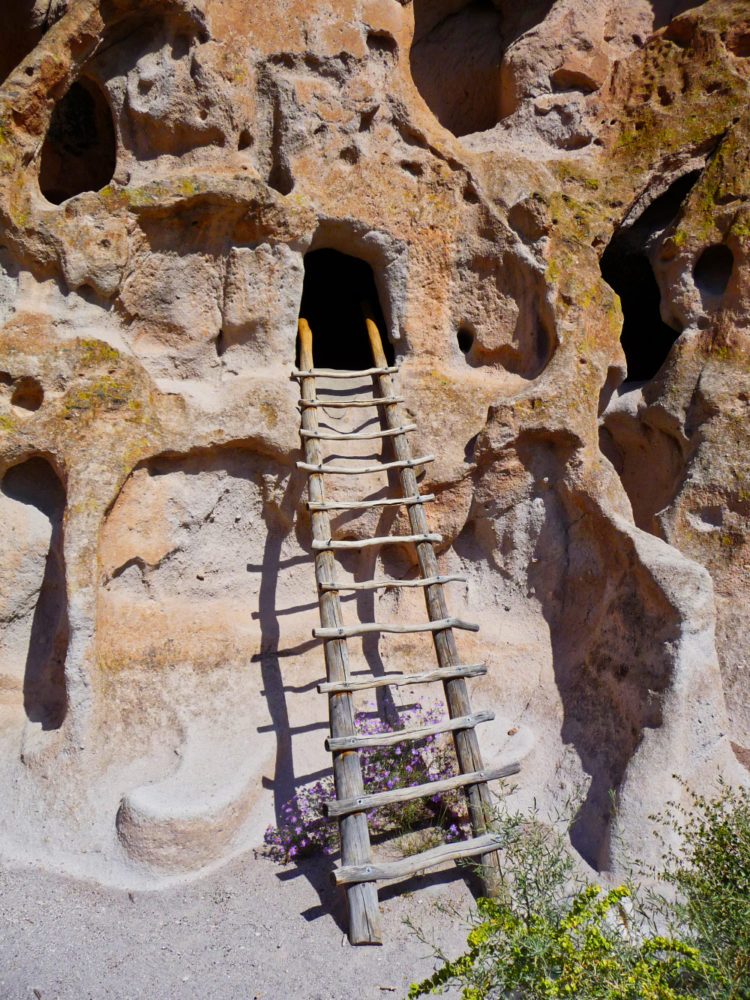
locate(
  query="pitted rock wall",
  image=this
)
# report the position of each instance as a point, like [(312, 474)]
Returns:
[(480, 158)]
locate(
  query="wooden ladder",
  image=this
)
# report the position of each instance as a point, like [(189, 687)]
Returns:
[(359, 872)]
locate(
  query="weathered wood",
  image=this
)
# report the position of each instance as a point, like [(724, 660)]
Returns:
[(378, 584), (456, 693), (364, 912), (417, 862), (364, 543), (342, 372), (357, 435), (367, 504), (409, 735), (347, 631), (343, 402), (374, 800), (366, 470), (402, 680)]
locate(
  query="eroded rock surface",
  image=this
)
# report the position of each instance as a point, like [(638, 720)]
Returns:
[(553, 207)]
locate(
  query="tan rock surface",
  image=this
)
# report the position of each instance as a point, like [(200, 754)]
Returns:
[(482, 159)]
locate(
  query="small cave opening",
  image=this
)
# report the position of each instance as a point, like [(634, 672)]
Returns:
[(35, 483), (713, 269), (457, 53), (80, 149), (646, 339), (455, 64), (336, 287), (465, 338), (28, 394)]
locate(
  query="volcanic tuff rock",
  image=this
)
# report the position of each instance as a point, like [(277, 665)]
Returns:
[(553, 205)]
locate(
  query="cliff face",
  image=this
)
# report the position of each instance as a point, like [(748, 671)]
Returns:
[(553, 205)]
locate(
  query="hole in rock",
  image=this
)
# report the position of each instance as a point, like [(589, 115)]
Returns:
[(665, 97), (349, 154), (366, 119), (646, 339), (455, 65), (180, 46), (280, 176), (713, 269), (28, 394), (281, 179), (465, 338), (566, 78), (245, 139), (382, 43), (738, 42), (80, 150), (36, 484), (412, 167), (456, 57), (334, 289)]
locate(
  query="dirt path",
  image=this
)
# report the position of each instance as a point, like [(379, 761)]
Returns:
[(251, 930)]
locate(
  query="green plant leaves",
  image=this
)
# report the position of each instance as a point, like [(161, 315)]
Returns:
[(548, 936)]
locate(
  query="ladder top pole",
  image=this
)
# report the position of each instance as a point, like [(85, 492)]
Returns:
[(376, 341), (305, 339)]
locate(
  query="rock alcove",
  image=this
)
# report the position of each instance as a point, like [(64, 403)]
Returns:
[(80, 150), (337, 290)]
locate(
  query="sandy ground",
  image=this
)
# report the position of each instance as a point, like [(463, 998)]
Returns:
[(251, 930)]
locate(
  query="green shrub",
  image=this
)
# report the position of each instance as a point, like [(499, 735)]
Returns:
[(711, 874), (548, 934), (583, 952)]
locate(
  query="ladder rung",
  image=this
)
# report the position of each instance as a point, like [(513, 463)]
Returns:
[(363, 803), (399, 680), (342, 403), (366, 504), (372, 872), (346, 631), (363, 543), (341, 372), (378, 584), (359, 741), (339, 470), (357, 435)]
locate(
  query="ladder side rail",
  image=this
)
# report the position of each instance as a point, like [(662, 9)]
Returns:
[(362, 898), (456, 691)]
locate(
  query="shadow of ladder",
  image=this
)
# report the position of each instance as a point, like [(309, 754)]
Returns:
[(359, 872)]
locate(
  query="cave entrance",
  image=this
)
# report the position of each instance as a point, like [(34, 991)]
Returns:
[(335, 287), (80, 149), (646, 339)]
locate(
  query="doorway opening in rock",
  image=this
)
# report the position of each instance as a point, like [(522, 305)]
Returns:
[(80, 150), (646, 339), (335, 287)]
